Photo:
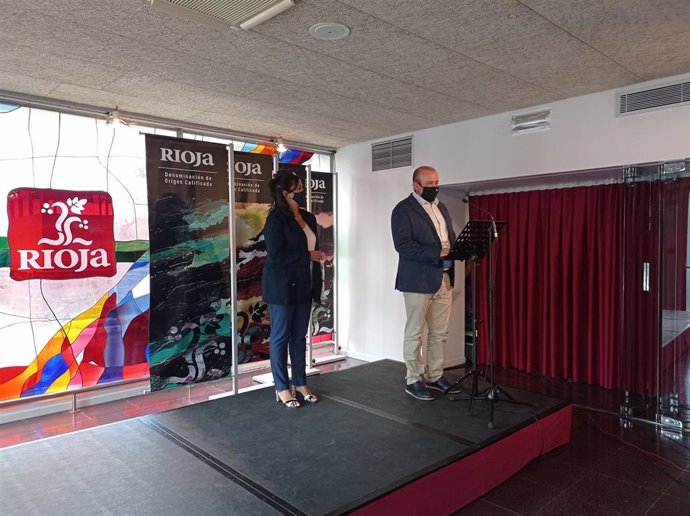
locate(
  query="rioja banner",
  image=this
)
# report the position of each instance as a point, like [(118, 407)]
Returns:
[(252, 203), (321, 196), (188, 196)]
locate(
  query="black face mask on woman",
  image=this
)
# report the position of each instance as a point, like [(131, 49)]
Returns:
[(300, 198), (429, 193)]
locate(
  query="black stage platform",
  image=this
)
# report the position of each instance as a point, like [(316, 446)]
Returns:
[(366, 447)]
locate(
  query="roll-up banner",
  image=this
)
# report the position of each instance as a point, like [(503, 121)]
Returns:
[(190, 328), (322, 193), (252, 202), (321, 189)]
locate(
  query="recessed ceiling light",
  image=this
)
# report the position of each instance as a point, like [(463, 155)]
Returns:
[(329, 31)]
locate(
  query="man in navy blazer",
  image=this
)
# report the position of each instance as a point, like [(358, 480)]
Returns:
[(423, 233)]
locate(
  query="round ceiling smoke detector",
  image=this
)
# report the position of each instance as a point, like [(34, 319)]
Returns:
[(329, 31)]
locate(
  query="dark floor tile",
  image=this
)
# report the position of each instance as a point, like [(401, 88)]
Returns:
[(680, 488), (676, 452), (670, 505), (567, 505), (578, 456), (585, 434), (632, 467), (522, 496), (611, 495), (556, 474), (484, 508)]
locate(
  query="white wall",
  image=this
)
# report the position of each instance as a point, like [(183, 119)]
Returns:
[(585, 134)]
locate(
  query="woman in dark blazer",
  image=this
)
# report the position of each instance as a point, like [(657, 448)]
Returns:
[(291, 281)]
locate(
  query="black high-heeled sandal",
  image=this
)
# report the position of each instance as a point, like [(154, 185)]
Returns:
[(292, 403), (309, 398)]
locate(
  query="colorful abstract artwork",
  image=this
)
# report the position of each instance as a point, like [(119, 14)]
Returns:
[(254, 148), (321, 190), (295, 157), (322, 194), (74, 273), (191, 279), (103, 344), (252, 203), (290, 156), (253, 325)]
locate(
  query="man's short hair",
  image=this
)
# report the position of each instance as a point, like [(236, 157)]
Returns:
[(418, 172)]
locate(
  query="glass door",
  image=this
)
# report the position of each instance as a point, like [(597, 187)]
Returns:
[(640, 322), (674, 339), (655, 326)]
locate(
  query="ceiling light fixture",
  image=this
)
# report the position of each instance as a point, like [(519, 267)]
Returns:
[(267, 14), (281, 146), (113, 117), (329, 31)]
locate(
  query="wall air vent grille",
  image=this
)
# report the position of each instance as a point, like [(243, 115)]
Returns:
[(391, 154), (654, 98)]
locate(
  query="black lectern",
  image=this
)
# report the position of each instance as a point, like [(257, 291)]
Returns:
[(474, 242), (475, 239)]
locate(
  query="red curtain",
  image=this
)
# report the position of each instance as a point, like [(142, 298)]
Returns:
[(568, 270), (640, 317), (675, 338), (558, 278), (674, 227)]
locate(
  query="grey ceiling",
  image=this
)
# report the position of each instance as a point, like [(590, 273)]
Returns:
[(408, 64)]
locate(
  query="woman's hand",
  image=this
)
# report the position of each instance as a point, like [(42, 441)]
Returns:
[(292, 203), (317, 256)]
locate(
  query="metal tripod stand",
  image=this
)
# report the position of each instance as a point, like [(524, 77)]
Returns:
[(474, 242)]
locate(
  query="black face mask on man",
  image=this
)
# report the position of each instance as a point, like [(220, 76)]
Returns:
[(429, 193)]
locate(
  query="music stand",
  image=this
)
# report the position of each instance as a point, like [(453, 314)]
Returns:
[(473, 243)]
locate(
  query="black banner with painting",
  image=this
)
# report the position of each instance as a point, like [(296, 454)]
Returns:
[(322, 196), (188, 198), (252, 203), (322, 200)]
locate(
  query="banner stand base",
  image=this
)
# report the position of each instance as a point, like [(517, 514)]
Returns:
[(268, 377), (327, 359)]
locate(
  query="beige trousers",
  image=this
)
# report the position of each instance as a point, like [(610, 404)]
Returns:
[(434, 310)]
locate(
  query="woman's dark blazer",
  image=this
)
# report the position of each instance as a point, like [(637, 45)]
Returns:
[(288, 278)]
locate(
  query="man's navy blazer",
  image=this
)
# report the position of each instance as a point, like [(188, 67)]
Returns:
[(420, 266), (288, 278)]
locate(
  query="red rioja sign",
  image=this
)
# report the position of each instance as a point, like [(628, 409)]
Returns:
[(60, 234)]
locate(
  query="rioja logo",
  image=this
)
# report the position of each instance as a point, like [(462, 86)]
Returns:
[(246, 169), (193, 158), (318, 184), (64, 221), (56, 234)]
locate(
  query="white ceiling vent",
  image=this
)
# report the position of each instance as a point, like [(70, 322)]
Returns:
[(654, 98), (391, 154), (238, 14)]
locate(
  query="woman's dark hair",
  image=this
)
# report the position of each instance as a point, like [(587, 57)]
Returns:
[(284, 180)]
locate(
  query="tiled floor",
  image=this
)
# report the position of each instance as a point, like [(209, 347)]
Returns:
[(603, 470)]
